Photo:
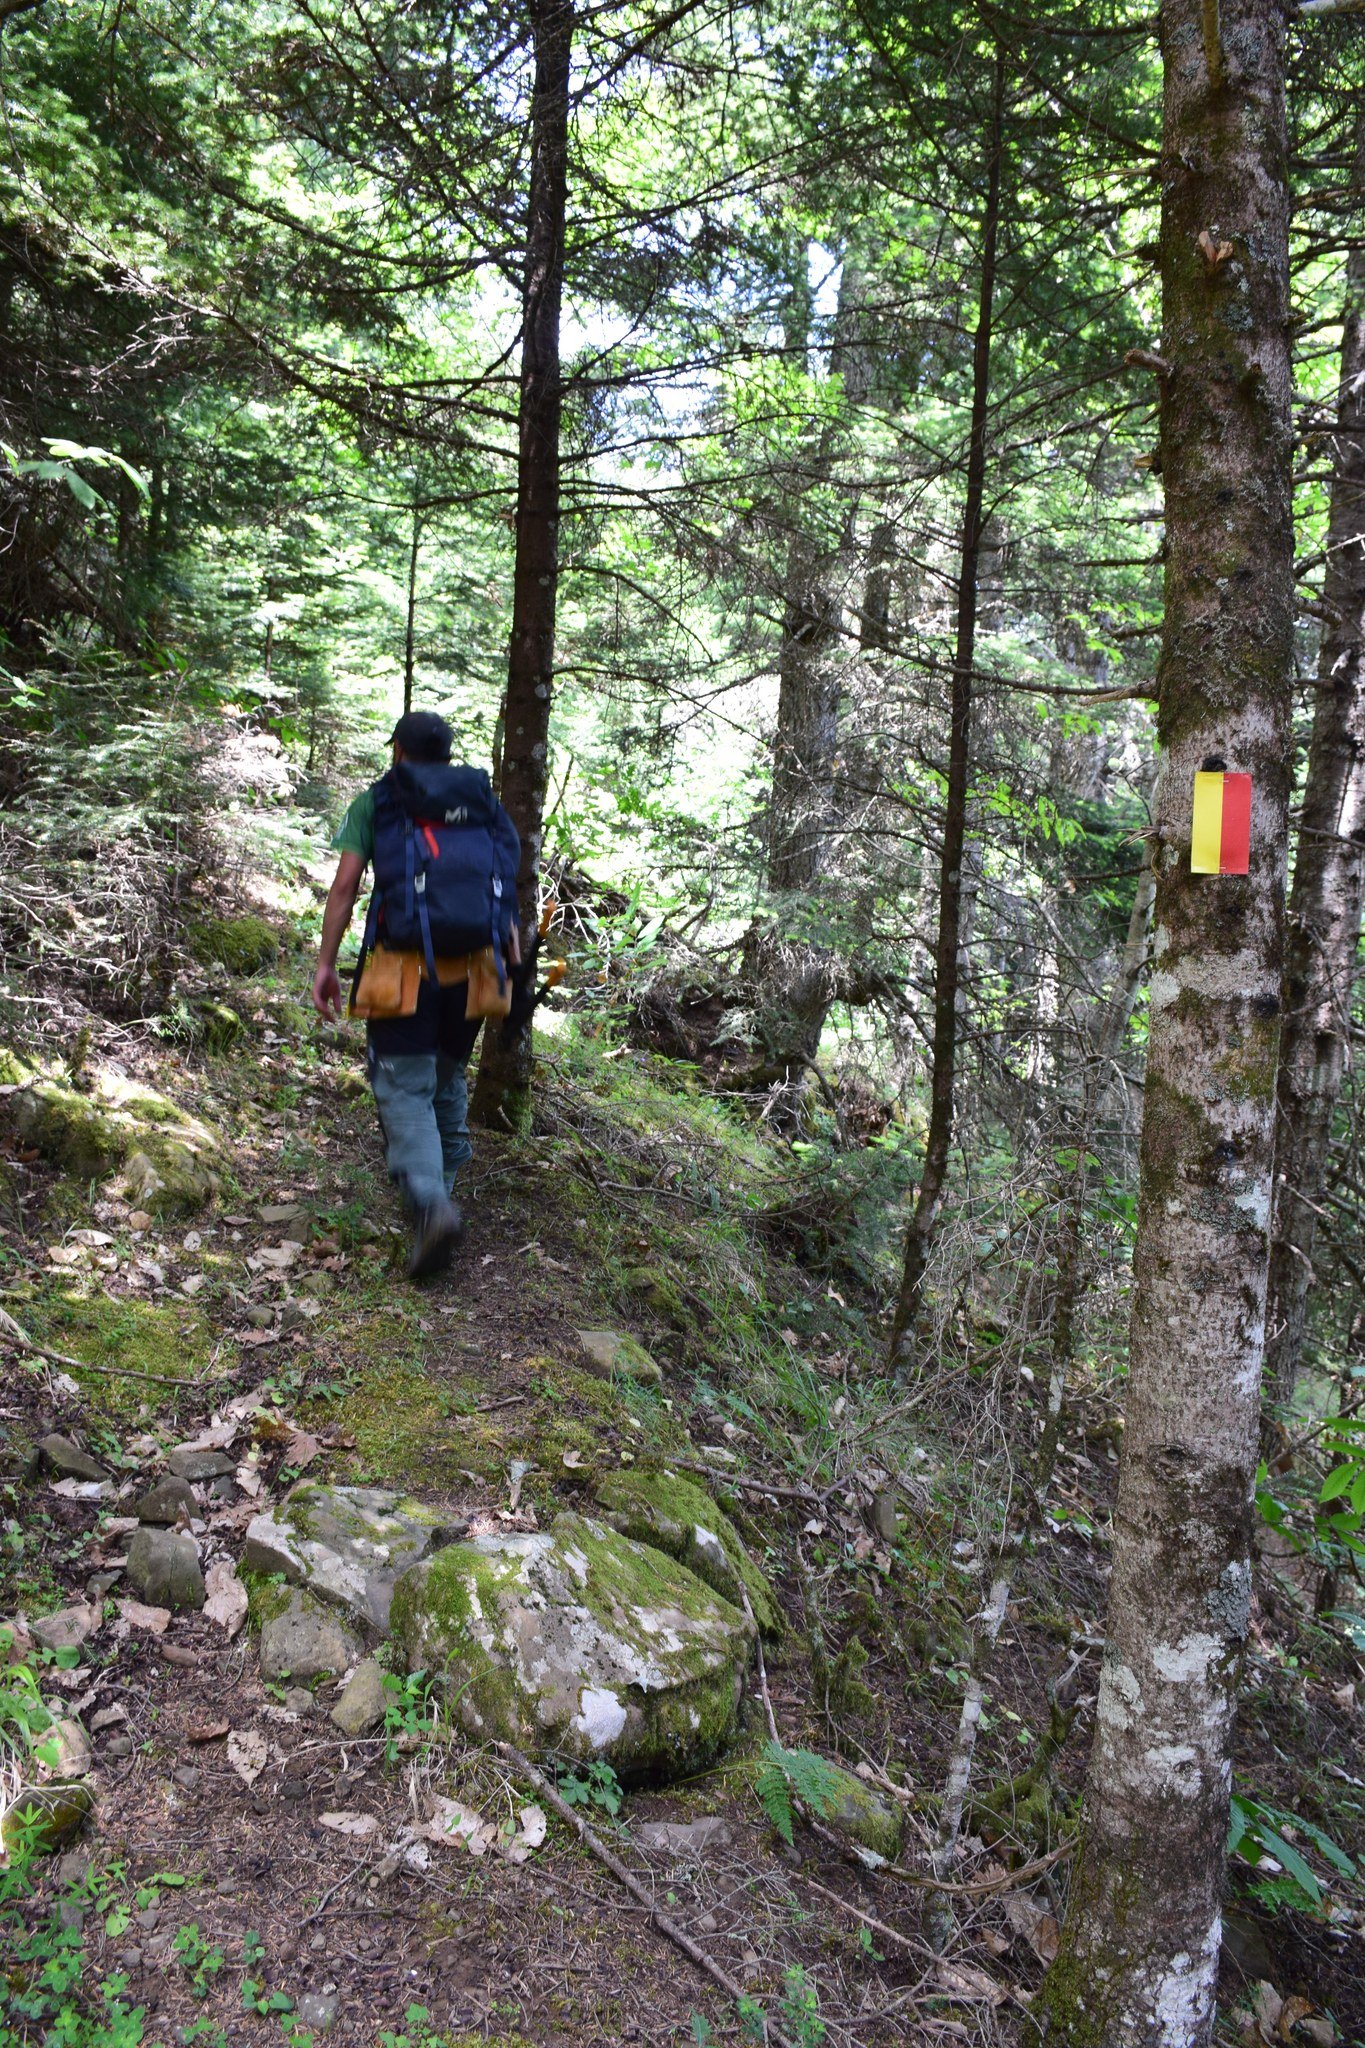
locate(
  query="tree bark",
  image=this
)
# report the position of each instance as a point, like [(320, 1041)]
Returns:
[(948, 945), (794, 973), (410, 628), (1139, 1950), (503, 1093), (1329, 873)]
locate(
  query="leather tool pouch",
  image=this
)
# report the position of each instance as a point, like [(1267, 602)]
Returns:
[(388, 985)]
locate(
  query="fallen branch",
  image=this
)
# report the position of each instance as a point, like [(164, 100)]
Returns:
[(983, 1887), (868, 1919), (801, 1493), (20, 1338), (666, 1925)]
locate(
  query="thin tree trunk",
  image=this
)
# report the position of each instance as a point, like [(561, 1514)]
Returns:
[(1019, 1530), (948, 947), (1139, 1951), (503, 1093), (1329, 872), (410, 634)]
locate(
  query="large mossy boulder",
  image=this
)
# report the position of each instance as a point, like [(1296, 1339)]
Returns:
[(346, 1544), (579, 1641), (169, 1161), (241, 945), (680, 1518)]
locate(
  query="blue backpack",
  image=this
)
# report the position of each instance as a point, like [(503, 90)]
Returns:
[(445, 864)]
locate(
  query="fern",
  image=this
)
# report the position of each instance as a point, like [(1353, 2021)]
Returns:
[(785, 1775)]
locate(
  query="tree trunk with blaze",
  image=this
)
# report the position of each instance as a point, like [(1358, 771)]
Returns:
[(1140, 1943)]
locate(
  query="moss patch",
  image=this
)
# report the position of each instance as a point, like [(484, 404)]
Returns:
[(165, 1338), (680, 1518), (243, 945), (169, 1161)]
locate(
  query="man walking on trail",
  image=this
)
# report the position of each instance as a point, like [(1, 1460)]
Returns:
[(440, 934)]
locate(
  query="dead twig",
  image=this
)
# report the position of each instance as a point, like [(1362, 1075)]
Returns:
[(868, 1919), (666, 1925), (982, 1888)]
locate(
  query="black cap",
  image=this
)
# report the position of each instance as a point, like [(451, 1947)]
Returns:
[(423, 736)]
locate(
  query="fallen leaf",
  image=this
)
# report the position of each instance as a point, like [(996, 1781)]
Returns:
[(452, 1821), (347, 1822), (193, 1284), (216, 1437), (960, 1980), (176, 1653), (135, 1615), (82, 1489), (251, 1340), (573, 1459), (207, 1731), (1030, 1918), (226, 1601), (531, 1832), (1292, 2012), (248, 1478), (301, 1450), (107, 1717), (248, 1753)]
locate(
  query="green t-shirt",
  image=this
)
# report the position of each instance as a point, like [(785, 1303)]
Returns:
[(355, 833)]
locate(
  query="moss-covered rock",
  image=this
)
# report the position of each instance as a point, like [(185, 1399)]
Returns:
[(679, 1517), (612, 1354), (243, 945), (219, 1027), (169, 1161), (656, 1291), (346, 1544), (582, 1642), (861, 1815), (14, 1072), (43, 1818)]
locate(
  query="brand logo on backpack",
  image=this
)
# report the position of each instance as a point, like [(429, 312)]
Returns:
[(458, 817)]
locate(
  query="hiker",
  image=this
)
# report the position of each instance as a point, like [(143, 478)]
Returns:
[(440, 938)]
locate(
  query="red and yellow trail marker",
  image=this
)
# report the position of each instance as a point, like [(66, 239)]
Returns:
[(1221, 841)]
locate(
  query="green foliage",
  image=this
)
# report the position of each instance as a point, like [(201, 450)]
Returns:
[(409, 1711), (197, 1956), (25, 1720), (418, 2031), (1324, 1518), (47, 1998), (595, 1785), (785, 1775), (1259, 1831)]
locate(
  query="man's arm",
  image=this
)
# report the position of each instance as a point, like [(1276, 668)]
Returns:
[(335, 920)]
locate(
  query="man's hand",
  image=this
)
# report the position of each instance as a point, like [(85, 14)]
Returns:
[(335, 918), (327, 994)]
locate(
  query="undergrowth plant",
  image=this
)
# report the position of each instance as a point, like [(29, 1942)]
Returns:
[(788, 1775)]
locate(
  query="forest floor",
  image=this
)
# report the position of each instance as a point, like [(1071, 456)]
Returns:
[(208, 1892)]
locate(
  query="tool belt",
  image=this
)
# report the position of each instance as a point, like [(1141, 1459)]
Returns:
[(389, 982)]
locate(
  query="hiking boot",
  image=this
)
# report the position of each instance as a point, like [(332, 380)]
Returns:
[(434, 1239)]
